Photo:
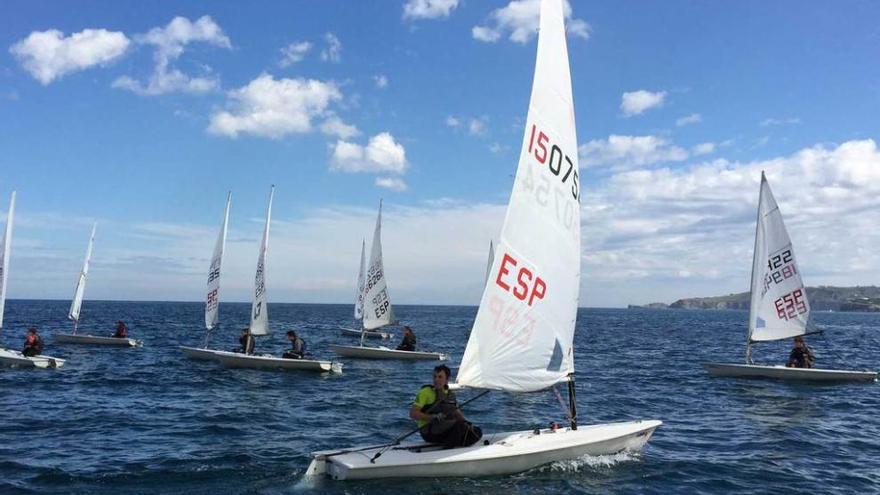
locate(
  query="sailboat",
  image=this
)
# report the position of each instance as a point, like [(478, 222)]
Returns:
[(522, 338), (779, 308), (76, 305), (377, 310), (259, 319), (11, 357), (359, 304)]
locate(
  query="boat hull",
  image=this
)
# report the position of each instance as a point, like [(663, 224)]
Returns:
[(351, 332), (783, 373), (238, 360), (69, 338), (496, 454), (16, 359), (359, 352)]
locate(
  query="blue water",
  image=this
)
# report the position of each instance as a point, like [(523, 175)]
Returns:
[(148, 420)]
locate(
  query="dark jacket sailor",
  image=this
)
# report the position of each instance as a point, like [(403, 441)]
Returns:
[(440, 420), (298, 347), (409, 340), (121, 330), (33, 343), (246, 342), (801, 356)]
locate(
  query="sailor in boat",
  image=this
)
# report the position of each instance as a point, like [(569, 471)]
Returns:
[(297, 347), (801, 356), (437, 414), (33, 343), (121, 330), (409, 340), (246, 341)]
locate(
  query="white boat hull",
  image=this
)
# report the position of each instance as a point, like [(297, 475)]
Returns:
[(239, 360), (68, 338), (496, 454), (359, 352), (16, 359), (783, 373), (351, 332)]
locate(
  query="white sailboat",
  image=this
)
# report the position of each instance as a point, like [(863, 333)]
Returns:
[(377, 310), (359, 304), (10, 357), (779, 308), (259, 318), (522, 339), (76, 305)]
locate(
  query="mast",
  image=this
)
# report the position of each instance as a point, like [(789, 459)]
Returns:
[(753, 309)]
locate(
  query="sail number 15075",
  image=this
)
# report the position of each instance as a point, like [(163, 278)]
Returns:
[(553, 158)]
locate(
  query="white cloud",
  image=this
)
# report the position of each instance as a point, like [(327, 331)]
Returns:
[(693, 118), (334, 126), (497, 148), (49, 55), (477, 125), (294, 53), (637, 102), (274, 108), (452, 121), (391, 183), (428, 9), (169, 44), (333, 51), (785, 121), (703, 149), (520, 19), (381, 81), (381, 155), (627, 152)]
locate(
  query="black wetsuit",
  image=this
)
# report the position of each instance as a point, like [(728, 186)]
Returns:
[(408, 343), (450, 431), (34, 348), (801, 357)]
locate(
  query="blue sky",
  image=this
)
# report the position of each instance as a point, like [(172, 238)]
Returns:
[(144, 121)]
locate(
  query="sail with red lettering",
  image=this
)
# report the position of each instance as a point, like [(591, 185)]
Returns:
[(377, 302), (779, 307), (259, 308), (4, 255), (212, 297), (524, 330)]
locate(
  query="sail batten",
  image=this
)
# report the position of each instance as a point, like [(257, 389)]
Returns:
[(212, 297), (259, 309), (378, 311), (80, 290), (522, 338), (4, 256), (779, 307)]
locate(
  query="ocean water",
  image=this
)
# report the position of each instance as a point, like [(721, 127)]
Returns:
[(148, 420)]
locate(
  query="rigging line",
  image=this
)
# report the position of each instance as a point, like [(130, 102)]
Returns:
[(565, 408)]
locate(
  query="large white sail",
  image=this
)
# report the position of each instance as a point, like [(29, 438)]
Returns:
[(377, 303), (359, 300), (779, 308), (80, 290), (524, 330), (259, 308), (489, 263), (4, 256), (212, 298)]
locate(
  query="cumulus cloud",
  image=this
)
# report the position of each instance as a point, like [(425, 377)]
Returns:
[(519, 21), (703, 149), (637, 102), (333, 51), (381, 155), (693, 118), (381, 81), (294, 53), (392, 183), (428, 9), (275, 108), (49, 55), (334, 126), (627, 152), (169, 44)]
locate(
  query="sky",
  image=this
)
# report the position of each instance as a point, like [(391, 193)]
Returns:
[(142, 115)]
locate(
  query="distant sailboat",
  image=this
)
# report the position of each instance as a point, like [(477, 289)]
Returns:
[(779, 308), (359, 305), (377, 311), (76, 305), (259, 317), (523, 336), (11, 357)]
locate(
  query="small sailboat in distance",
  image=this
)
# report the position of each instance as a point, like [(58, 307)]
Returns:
[(76, 306), (359, 304), (11, 357), (377, 311), (523, 335), (779, 308)]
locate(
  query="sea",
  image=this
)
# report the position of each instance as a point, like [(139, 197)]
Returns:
[(149, 420)]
